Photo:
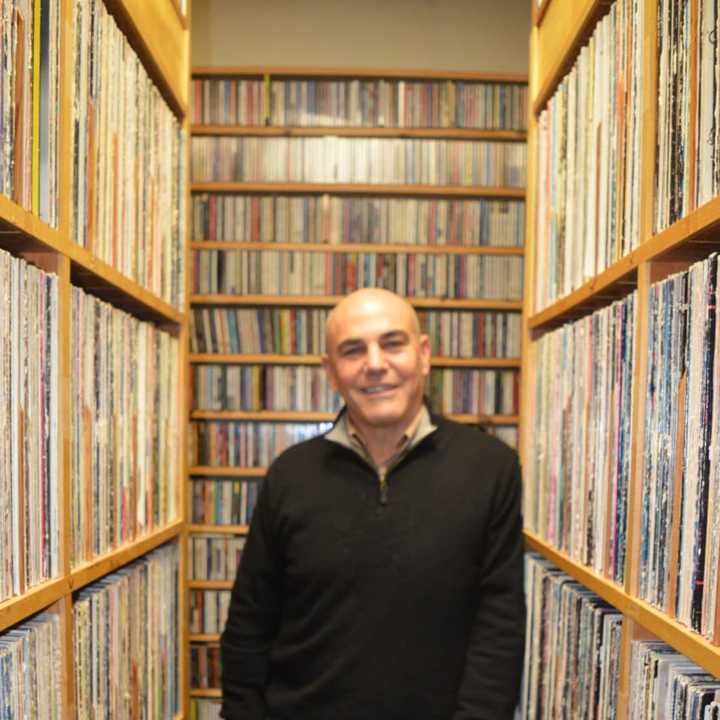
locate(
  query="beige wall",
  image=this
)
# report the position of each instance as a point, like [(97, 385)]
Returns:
[(469, 35)]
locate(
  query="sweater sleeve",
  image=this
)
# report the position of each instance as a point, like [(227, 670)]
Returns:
[(491, 680), (252, 618)]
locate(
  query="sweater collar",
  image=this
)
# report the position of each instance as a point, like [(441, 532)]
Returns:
[(342, 434)]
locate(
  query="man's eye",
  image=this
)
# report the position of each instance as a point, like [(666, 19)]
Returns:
[(349, 352), (393, 344)]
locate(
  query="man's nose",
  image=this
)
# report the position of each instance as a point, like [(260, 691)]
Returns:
[(375, 359)]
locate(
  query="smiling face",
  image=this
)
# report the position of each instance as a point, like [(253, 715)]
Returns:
[(377, 360)]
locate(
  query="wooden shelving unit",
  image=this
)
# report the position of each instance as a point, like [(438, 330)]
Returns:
[(468, 191), (161, 42), (336, 189), (360, 248), (329, 301), (560, 30), (270, 359)]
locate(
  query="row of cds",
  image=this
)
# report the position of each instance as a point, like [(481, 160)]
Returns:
[(213, 556), (256, 444), (336, 219), (359, 102), (278, 272), (300, 331), (129, 160), (333, 159), (124, 407), (246, 444), (208, 611), (223, 502), (306, 388)]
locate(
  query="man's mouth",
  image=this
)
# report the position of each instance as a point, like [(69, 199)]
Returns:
[(376, 389)]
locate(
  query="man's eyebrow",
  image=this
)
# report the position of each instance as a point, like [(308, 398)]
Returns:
[(350, 342), (395, 334)]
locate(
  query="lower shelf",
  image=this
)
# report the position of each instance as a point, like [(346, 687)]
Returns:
[(16, 609), (689, 643), (305, 416)]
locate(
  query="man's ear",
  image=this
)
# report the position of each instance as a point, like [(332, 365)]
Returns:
[(329, 370), (424, 342)]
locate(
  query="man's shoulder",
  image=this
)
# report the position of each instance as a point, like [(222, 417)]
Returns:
[(475, 441), (300, 457)]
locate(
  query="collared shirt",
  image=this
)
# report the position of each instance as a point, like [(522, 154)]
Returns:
[(345, 434)]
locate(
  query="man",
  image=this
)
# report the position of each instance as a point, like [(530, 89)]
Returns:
[(382, 575)]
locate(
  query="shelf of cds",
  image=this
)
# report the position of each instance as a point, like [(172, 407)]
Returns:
[(621, 339), (92, 329), (306, 184)]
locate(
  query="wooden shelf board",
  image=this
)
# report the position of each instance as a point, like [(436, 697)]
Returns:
[(209, 584), (329, 301), (392, 132), (655, 621), (205, 692), (618, 280), (205, 637), (21, 230), (89, 572), (17, 609), (485, 419), (218, 529), (330, 72), (299, 416), (273, 359), (689, 239), (267, 415), (605, 588), (182, 17), (359, 248), (360, 189), (227, 471), (99, 278), (540, 11)]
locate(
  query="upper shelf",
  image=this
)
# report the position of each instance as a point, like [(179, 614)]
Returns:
[(329, 301), (361, 189), (689, 239), (159, 36), (406, 248), (566, 25), (23, 232), (393, 132), (340, 72)]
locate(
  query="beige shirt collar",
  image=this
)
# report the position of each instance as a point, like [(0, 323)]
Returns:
[(346, 435)]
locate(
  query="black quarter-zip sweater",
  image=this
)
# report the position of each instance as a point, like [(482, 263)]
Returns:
[(345, 608)]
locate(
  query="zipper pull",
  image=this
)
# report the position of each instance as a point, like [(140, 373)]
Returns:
[(383, 489)]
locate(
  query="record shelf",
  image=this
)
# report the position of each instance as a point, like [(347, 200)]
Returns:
[(157, 33), (561, 29)]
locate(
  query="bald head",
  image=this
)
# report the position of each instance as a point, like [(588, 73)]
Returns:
[(377, 360), (368, 302)]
